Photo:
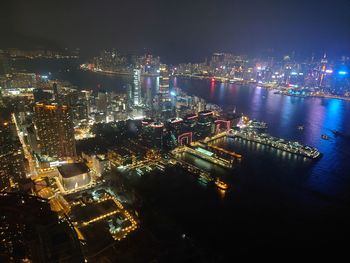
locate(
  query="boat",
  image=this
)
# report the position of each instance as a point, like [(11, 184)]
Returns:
[(257, 125), (324, 137), (266, 139), (221, 184)]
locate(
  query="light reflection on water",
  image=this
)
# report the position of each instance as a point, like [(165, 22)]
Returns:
[(271, 197), (283, 114)]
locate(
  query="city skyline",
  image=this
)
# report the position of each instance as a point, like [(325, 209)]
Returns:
[(179, 32), (174, 131)]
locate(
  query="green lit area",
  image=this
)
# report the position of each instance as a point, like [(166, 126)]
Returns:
[(201, 150)]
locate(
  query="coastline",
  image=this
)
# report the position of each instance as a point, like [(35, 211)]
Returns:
[(117, 73), (225, 80), (243, 82)]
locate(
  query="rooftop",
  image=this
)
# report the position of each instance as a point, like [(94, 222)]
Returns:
[(73, 169)]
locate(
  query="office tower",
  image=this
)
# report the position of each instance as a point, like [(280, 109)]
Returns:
[(147, 96), (137, 87), (12, 169), (164, 81), (205, 124), (164, 85), (55, 131), (166, 107)]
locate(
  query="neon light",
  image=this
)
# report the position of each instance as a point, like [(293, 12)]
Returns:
[(206, 113), (192, 117), (176, 120), (157, 125), (220, 123), (187, 135), (342, 73)]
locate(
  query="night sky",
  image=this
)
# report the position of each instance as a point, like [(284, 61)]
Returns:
[(179, 30)]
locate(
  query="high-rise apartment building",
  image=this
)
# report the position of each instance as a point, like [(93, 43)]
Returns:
[(55, 130)]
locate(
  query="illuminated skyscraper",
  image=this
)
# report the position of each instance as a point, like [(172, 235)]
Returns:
[(166, 107), (55, 131), (205, 124), (137, 87), (164, 81)]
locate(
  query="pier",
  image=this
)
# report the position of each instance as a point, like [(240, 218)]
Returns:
[(204, 154)]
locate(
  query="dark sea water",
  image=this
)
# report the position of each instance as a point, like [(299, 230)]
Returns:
[(277, 202)]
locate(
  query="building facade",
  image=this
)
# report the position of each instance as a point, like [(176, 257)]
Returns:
[(55, 131)]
